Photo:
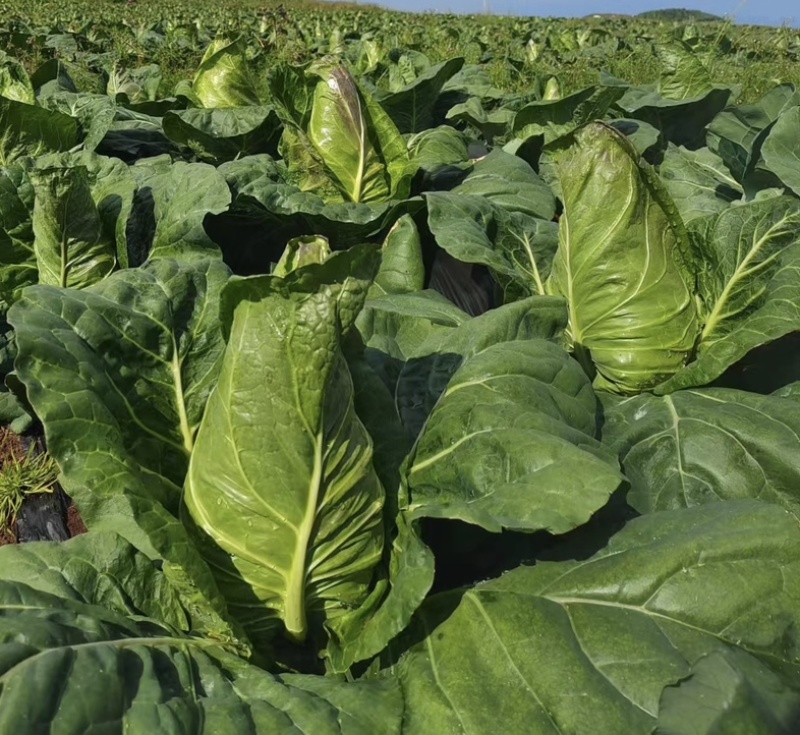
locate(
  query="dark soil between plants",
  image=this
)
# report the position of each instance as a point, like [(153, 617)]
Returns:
[(44, 512)]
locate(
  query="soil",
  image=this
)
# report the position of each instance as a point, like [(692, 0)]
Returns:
[(14, 447), (75, 523)]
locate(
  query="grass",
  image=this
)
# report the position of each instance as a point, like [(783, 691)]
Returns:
[(23, 472)]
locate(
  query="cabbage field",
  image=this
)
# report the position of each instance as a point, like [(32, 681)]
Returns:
[(413, 375)]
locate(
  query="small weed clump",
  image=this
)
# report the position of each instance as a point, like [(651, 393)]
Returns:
[(24, 471)]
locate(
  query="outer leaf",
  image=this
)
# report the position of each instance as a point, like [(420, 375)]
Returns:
[(96, 569), (682, 122), (358, 142), (728, 693), (264, 202), (683, 74), (491, 125), (781, 151), (225, 134), (622, 271), (429, 364), (94, 112), (510, 183), (412, 107), (223, 78), (301, 252), (112, 187), (695, 447), (510, 444), (170, 209), (304, 539), (367, 631), (556, 118), (698, 182), (732, 134), (519, 249), (15, 84), (17, 258), (402, 269), (72, 249), (642, 135), (67, 666), (439, 147), (669, 589), (750, 256), (119, 375), (31, 131)]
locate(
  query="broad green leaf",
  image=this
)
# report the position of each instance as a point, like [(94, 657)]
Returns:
[(223, 77), (409, 563), (781, 151), (701, 446), (474, 80), (510, 183), (171, 206), (28, 130), (96, 569), (683, 75), (71, 245), (15, 84), (642, 135), (748, 284), (588, 646), (119, 375), (728, 692), (429, 363), (358, 143), (300, 252), (438, 147), (112, 188), (52, 77), (135, 86), (623, 270), (491, 124), (347, 274), (219, 135), (733, 132), (412, 108), (682, 122), (511, 444), (402, 269), (96, 114), (367, 631), (553, 119), (698, 182), (17, 258), (519, 249), (70, 666), (424, 305), (303, 539), (264, 203)]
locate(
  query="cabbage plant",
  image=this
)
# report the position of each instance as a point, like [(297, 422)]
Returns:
[(223, 78), (338, 140), (655, 304)]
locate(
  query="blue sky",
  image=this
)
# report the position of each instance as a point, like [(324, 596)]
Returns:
[(772, 12)]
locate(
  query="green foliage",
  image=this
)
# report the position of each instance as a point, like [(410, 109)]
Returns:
[(361, 351)]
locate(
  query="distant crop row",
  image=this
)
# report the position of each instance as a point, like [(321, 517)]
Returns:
[(402, 391)]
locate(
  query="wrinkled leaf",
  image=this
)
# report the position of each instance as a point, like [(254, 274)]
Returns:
[(622, 270)]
